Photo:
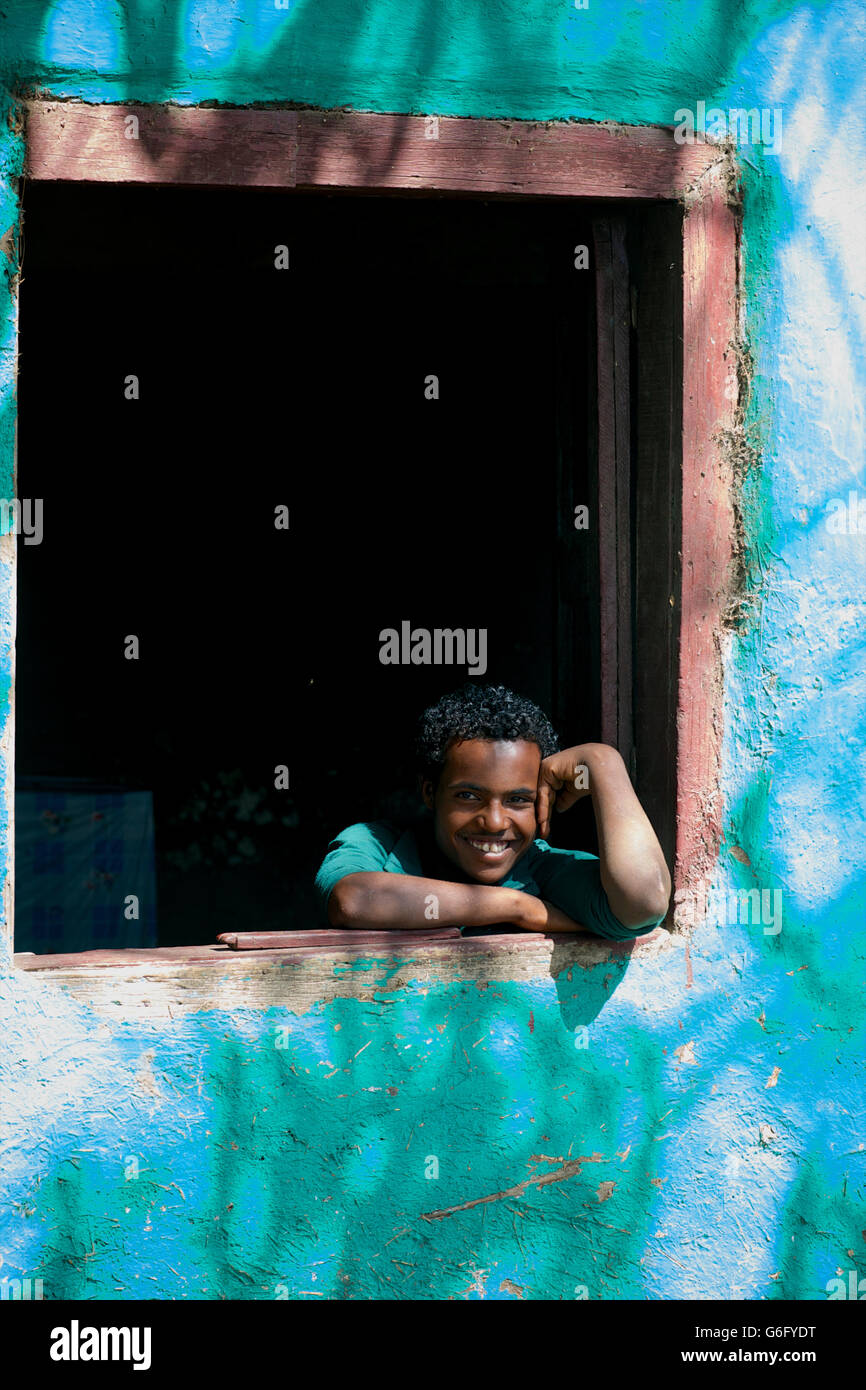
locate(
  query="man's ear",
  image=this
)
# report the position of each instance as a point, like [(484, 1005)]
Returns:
[(425, 786)]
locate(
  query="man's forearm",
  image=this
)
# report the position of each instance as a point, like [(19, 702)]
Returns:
[(634, 874), (402, 901)]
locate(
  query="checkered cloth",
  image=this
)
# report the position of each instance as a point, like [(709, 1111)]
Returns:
[(84, 853)]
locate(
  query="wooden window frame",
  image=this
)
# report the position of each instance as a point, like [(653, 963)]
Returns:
[(687, 189)]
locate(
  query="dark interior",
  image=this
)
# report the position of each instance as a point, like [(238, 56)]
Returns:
[(302, 387)]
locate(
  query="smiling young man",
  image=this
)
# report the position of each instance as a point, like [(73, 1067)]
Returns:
[(490, 776)]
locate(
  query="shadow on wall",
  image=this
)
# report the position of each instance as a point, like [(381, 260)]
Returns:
[(252, 54), (583, 992), (292, 1189)]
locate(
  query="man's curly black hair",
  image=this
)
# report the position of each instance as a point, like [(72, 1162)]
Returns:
[(479, 711)]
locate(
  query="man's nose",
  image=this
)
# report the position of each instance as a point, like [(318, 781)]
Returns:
[(494, 816)]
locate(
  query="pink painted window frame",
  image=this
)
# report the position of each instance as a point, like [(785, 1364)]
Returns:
[(309, 149)]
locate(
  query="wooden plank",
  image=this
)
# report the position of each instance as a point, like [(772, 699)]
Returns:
[(614, 483), (173, 145), (220, 956), (310, 942), (278, 148), (710, 393), (566, 590), (622, 426), (328, 936), (606, 468), (343, 149), (129, 957), (658, 497)]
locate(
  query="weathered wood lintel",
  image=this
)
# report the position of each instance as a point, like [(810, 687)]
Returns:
[(176, 145), (278, 148)]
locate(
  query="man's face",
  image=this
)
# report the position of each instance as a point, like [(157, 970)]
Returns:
[(484, 805)]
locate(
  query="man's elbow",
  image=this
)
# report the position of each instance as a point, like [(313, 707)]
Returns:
[(645, 915), (344, 904), (646, 908)]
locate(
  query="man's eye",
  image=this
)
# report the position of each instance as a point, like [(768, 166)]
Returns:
[(459, 794), (524, 800)]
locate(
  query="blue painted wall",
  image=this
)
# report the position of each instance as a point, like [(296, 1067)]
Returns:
[(717, 1102)]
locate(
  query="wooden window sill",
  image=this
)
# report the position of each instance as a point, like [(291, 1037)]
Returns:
[(167, 982)]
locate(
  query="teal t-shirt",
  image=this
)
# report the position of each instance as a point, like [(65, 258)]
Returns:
[(568, 878)]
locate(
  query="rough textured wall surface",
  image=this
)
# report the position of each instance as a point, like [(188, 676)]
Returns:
[(715, 1099)]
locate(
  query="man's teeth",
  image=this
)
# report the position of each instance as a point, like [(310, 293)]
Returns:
[(490, 846)]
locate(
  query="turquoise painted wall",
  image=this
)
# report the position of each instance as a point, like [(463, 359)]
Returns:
[(721, 1097)]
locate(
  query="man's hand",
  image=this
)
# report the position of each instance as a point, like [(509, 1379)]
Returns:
[(562, 780), (537, 915)]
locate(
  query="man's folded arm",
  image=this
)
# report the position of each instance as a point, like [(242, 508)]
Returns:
[(402, 901)]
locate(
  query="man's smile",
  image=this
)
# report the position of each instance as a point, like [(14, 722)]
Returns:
[(490, 848)]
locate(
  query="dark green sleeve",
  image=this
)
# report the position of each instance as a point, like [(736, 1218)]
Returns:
[(361, 848), (571, 880)]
